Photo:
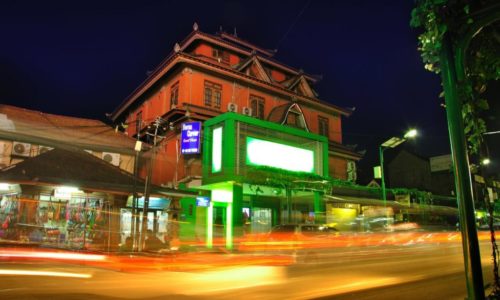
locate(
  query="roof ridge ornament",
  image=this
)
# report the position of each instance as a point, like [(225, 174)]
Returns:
[(195, 26), (177, 47)]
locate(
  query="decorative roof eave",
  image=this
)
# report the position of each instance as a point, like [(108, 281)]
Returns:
[(198, 35), (245, 43), (262, 72), (296, 106), (337, 149), (179, 57), (276, 88), (302, 79), (162, 68)]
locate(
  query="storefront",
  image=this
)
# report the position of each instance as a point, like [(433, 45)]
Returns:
[(63, 217)]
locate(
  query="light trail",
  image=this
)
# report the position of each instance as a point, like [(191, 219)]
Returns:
[(43, 273), (52, 255)]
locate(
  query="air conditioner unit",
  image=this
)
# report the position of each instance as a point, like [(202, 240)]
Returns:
[(247, 111), (232, 107), (112, 158), (43, 149), (21, 149)]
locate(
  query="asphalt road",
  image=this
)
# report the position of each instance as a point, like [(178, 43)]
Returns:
[(414, 271)]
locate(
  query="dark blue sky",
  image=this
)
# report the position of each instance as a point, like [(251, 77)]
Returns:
[(82, 58)]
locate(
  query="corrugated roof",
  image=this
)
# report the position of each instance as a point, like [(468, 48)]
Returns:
[(75, 168), (34, 126), (80, 169)]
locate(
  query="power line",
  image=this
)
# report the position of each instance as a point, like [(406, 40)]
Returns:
[(293, 24)]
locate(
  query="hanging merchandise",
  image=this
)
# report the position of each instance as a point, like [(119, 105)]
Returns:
[(42, 215), (50, 211), (68, 211), (28, 211), (6, 222), (99, 211)]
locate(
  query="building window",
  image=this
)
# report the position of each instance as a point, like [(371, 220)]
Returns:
[(257, 106), (174, 95), (138, 122), (293, 119), (220, 55), (323, 126), (213, 94)]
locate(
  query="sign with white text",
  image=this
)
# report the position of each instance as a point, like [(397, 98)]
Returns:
[(190, 138), (202, 201)]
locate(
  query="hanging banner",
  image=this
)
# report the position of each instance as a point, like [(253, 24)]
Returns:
[(190, 138)]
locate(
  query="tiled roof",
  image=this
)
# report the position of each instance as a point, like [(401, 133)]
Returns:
[(52, 130)]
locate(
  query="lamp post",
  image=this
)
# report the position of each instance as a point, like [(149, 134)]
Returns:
[(391, 143)]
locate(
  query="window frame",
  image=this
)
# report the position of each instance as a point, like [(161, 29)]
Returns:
[(212, 94), (219, 53), (324, 126), (257, 104), (174, 94)]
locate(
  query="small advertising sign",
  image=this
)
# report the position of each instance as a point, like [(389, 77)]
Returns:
[(190, 138), (203, 201), (440, 163)]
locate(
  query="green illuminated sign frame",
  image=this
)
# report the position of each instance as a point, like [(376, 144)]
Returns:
[(226, 140)]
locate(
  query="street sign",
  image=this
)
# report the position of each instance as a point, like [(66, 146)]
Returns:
[(190, 138)]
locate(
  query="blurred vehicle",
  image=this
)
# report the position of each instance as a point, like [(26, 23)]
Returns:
[(291, 230), (303, 242)]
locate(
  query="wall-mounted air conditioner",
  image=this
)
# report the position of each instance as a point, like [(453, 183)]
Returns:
[(21, 149), (247, 111), (232, 107), (112, 158), (43, 149)]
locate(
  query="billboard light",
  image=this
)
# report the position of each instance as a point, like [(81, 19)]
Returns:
[(281, 156)]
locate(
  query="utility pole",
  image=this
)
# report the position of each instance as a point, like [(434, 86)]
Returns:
[(135, 220), (147, 191)]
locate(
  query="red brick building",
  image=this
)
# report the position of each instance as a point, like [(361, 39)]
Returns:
[(207, 75)]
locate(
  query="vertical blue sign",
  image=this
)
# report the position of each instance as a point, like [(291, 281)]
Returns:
[(190, 138)]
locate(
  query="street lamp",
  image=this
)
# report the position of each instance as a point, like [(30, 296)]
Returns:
[(392, 143)]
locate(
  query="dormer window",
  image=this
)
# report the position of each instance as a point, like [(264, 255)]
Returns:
[(295, 118)]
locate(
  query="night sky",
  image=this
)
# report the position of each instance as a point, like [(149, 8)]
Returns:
[(82, 58)]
